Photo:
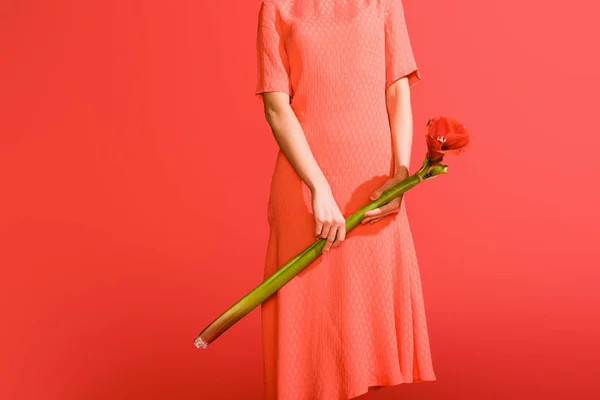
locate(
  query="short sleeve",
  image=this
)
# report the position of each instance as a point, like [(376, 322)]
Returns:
[(399, 57), (273, 73)]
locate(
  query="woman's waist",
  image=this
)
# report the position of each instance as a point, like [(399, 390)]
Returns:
[(332, 109), (347, 129), (342, 168)]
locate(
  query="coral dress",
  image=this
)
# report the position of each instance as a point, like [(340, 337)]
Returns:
[(353, 318)]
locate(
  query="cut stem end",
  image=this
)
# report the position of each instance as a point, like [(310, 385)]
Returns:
[(200, 343)]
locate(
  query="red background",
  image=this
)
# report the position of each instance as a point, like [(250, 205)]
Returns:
[(135, 164)]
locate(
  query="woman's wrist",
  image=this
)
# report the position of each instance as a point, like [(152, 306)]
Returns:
[(318, 184)]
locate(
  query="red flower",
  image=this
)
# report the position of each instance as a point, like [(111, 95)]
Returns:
[(445, 136)]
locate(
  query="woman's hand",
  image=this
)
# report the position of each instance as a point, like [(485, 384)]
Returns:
[(390, 208), (329, 221)]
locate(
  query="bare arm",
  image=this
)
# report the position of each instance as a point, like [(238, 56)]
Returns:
[(274, 85), (330, 224), (290, 138), (399, 110)]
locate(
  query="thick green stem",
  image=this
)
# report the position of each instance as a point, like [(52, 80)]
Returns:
[(288, 271)]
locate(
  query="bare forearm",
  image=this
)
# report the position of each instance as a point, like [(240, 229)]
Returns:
[(291, 139), (401, 123)]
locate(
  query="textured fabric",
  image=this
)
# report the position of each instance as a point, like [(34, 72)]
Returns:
[(354, 318)]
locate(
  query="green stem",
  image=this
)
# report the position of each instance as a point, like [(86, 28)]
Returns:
[(288, 271)]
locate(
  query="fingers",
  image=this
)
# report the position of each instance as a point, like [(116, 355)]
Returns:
[(390, 208), (330, 239), (322, 226), (376, 214), (330, 224), (387, 184), (326, 227), (318, 227), (375, 195), (341, 233), (336, 234)]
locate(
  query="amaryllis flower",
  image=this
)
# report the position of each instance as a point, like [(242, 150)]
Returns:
[(445, 136)]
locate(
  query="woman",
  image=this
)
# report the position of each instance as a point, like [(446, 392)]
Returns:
[(334, 77)]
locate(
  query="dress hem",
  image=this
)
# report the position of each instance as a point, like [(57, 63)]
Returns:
[(375, 385)]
